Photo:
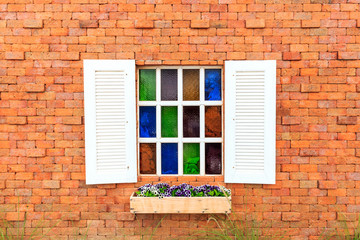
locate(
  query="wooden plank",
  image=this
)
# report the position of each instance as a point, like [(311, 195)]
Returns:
[(180, 205)]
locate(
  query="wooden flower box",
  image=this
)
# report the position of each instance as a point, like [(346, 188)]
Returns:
[(180, 204)]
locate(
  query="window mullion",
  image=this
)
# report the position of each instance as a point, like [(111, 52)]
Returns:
[(202, 121), (180, 122), (202, 158), (158, 123)]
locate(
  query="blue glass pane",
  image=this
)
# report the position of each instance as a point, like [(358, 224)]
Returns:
[(169, 158), (147, 122), (213, 84)]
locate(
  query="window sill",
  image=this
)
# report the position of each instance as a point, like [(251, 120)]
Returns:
[(184, 205)]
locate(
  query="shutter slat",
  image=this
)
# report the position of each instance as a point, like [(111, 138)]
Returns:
[(250, 121)]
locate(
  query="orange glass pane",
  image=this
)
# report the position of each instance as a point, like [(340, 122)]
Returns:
[(148, 158), (191, 84), (213, 121)]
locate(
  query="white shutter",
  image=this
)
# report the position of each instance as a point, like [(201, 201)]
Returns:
[(250, 126), (110, 121)]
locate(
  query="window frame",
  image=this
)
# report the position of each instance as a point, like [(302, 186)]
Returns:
[(180, 103)]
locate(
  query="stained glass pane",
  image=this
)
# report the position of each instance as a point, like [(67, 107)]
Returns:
[(169, 84), (169, 121), (213, 121), (169, 158), (191, 121), (147, 85), (213, 84), (213, 158), (191, 156), (147, 122), (191, 84), (148, 158)]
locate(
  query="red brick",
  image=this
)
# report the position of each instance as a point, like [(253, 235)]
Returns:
[(70, 216), (255, 23), (308, 184), (347, 120), (14, 55), (310, 23), (125, 216), (24, 176), (290, 216), (309, 152), (15, 216), (51, 184), (33, 87), (310, 88), (89, 23), (16, 120), (33, 23), (348, 55), (70, 55), (203, 23), (291, 120), (35, 152), (144, 24), (292, 56)]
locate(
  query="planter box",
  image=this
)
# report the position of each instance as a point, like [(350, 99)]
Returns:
[(180, 204)]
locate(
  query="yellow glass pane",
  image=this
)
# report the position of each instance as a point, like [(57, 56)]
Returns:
[(191, 84)]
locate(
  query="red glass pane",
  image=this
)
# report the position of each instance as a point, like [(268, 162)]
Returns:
[(148, 158), (213, 121)]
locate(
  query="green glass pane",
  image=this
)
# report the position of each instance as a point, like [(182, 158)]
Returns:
[(191, 154), (169, 121), (147, 85)]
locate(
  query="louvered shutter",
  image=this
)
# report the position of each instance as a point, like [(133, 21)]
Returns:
[(110, 121), (250, 112)]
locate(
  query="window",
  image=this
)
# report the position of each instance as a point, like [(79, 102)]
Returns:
[(173, 118), (180, 120)]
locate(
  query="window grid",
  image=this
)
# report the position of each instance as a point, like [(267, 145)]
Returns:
[(180, 104)]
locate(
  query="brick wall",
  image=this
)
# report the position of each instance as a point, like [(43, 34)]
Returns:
[(42, 44)]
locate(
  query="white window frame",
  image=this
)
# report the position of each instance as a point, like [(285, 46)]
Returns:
[(180, 103)]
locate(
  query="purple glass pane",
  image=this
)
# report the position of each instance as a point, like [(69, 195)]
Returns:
[(169, 84), (213, 158), (191, 121)]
